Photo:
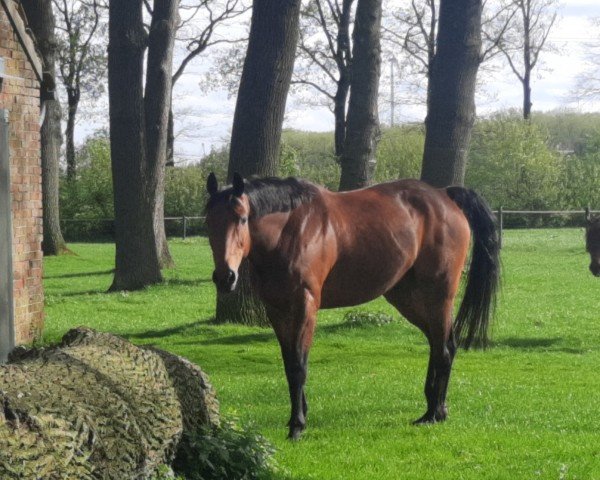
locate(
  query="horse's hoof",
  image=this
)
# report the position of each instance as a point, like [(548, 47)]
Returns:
[(426, 419), (295, 433), (432, 417)]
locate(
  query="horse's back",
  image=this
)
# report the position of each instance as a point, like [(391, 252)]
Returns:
[(380, 232)]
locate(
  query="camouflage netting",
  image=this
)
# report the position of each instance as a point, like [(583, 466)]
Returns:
[(97, 407)]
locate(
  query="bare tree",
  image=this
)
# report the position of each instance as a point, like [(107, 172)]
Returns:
[(410, 34), (198, 30), (358, 157), (587, 87), (41, 21), (257, 124), (451, 109), (81, 59), (138, 133), (527, 39), (324, 62)]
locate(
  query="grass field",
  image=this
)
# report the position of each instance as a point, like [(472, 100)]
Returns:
[(527, 408)]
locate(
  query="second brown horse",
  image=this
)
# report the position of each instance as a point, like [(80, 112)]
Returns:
[(309, 248)]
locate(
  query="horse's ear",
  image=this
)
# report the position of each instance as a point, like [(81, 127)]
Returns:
[(212, 186), (238, 185)]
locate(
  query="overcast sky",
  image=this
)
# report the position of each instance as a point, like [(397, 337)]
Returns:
[(209, 117)]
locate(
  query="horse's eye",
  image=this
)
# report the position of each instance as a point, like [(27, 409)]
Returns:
[(243, 220)]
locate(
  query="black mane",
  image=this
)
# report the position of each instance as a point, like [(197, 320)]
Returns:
[(270, 195)]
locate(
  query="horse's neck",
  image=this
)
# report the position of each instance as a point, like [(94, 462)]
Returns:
[(265, 234)]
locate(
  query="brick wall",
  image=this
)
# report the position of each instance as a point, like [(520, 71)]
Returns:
[(21, 98)]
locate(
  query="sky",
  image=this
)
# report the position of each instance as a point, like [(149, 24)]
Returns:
[(204, 119)]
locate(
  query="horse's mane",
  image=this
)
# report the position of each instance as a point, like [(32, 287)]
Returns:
[(271, 194)]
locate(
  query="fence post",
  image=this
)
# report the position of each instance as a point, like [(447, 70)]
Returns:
[(587, 214), (184, 219), (500, 225)]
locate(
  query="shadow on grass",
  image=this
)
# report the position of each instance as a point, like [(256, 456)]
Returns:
[(79, 275), (203, 327), (184, 282), (193, 328), (268, 336), (532, 343), (80, 294)]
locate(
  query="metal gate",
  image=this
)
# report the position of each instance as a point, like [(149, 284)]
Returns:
[(7, 328)]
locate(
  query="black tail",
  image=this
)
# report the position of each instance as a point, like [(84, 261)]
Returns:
[(479, 299)]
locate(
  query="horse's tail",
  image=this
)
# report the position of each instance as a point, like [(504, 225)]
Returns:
[(479, 298)]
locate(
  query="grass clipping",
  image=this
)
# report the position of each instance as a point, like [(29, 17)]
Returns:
[(98, 407)]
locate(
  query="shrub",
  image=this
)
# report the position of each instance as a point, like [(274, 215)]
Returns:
[(310, 155), (231, 452), (400, 153), (511, 165), (358, 318)]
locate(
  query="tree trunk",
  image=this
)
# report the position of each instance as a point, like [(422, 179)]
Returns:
[(134, 177), (339, 112), (264, 86), (344, 62), (73, 104), (362, 131), (257, 124), (162, 245), (41, 21), (451, 112), (158, 111), (53, 242), (527, 98), (164, 254), (171, 137)]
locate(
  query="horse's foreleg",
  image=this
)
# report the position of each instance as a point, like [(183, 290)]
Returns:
[(294, 331), (295, 371)]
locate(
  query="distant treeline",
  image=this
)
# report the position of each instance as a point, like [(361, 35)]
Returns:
[(552, 162)]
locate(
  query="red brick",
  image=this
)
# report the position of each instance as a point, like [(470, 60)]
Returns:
[(21, 97)]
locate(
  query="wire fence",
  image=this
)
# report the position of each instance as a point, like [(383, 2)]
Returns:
[(541, 218), (94, 229), (91, 229)]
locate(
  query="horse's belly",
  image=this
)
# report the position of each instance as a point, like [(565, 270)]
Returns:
[(349, 285)]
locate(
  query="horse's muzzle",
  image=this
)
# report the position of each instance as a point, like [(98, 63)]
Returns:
[(226, 282)]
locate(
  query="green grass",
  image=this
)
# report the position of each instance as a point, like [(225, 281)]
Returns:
[(526, 408)]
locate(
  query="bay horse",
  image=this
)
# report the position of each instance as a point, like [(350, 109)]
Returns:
[(309, 248), (592, 244)]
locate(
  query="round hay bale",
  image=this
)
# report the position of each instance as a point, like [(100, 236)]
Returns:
[(97, 407)]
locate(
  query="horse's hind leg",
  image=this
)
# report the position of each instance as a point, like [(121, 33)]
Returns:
[(432, 315), (441, 356)]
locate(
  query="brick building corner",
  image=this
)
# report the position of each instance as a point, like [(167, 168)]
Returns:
[(20, 76)]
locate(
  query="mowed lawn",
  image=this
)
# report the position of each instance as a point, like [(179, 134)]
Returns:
[(527, 408)]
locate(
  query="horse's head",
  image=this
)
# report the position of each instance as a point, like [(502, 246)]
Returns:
[(592, 243), (228, 233)]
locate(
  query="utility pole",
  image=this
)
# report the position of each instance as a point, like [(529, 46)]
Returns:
[(392, 92)]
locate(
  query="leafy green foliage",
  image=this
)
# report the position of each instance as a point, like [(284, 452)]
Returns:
[(358, 318), (582, 175), (511, 165), (231, 452), (90, 196), (313, 157), (400, 153)]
